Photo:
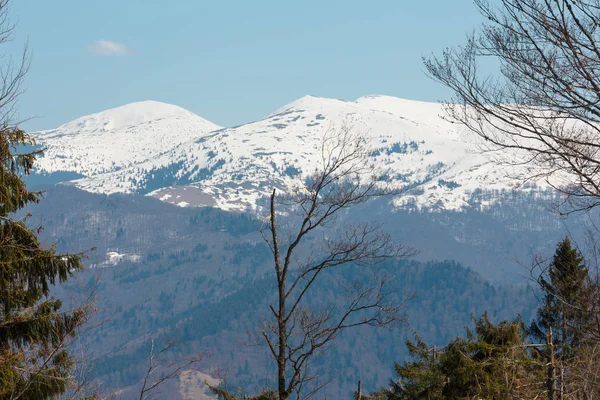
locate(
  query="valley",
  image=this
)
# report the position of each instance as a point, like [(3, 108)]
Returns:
[(173, 204)]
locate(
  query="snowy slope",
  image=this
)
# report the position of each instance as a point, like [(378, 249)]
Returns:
[(118, 138), (175, 158)]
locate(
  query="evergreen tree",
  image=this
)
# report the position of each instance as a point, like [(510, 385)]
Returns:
[(565, 309), (491, 362), (565, 303), (421, 378), (34, 363), (33, 330)]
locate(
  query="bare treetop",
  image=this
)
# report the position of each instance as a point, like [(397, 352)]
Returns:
[(301, 328), (543, 106)]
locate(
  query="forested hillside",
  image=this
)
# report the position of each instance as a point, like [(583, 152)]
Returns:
[(201, 276)]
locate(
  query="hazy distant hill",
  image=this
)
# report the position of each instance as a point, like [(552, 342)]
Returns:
[(202, 275)]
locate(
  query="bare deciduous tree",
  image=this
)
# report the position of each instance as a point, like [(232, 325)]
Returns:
[(343, 179), (585, 373), (161, 368), (543, 105)]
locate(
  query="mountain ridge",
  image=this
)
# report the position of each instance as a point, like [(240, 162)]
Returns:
[(174, 155)]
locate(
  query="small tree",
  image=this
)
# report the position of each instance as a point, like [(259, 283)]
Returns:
[(421, 378), (34, 330), (162, 368), (492, 362), (584, 372), (543, 105), (566, 307), (343, 179), (565, 303)]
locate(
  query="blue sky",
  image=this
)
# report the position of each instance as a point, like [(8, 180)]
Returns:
[(228, 61)]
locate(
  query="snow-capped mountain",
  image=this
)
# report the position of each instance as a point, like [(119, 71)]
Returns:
[(118, 138), (178, 157)]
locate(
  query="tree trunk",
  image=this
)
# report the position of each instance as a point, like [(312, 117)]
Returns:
[(551, 376), (281, 361), (563, 356), (281, 323)]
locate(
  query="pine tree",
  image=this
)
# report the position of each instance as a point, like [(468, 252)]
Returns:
[(421, 378), (33, 330), (564, 307), (34, 363)]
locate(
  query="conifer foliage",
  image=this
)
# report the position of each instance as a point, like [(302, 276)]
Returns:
[(557, 357), (564, 306), (491, 362), (565, 312), (420, 378), (34, 330)]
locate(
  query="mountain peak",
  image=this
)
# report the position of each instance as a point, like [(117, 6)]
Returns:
[(393, 105), (308, 102), (119, 138), (132, 114)]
